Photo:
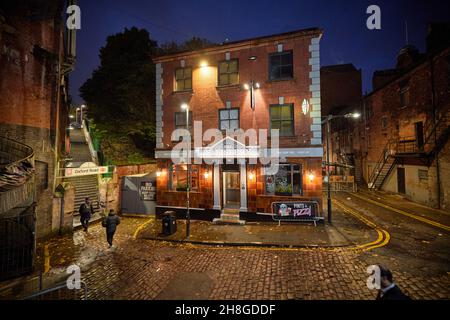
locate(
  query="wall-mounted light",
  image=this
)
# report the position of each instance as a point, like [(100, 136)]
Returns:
[(252, 86), (305, 107), (252, 58), (251, 175), (311, 176), (203, 63), (71, 116), (158, 173), (206, 174)]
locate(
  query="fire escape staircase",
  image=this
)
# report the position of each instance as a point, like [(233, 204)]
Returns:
[(436, 135)]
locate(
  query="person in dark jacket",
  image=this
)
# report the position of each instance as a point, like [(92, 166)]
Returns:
[(110, 223), (389, 290), (86, 211)]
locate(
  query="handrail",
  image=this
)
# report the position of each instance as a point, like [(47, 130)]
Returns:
[(94, 153), (22, 145), (56, 288)]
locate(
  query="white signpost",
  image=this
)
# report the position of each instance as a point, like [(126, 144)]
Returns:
[(85, 170)]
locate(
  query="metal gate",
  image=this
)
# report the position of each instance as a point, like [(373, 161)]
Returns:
[(17, 243), (138, 194)]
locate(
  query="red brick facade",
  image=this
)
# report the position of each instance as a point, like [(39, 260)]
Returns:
[(206, 99)]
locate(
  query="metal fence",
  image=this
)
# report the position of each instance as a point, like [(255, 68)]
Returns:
[(17, 242)]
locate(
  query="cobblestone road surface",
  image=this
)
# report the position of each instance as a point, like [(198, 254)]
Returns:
[(144, 269)]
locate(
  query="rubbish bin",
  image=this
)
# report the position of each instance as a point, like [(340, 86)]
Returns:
[(169, 223)]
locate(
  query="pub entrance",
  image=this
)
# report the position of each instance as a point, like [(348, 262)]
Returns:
[(230, 187)]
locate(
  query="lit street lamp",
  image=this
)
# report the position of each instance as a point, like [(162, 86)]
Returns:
[(185, 107), (327, 121)]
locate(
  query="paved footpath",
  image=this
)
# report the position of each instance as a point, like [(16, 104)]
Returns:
[(145, 269)]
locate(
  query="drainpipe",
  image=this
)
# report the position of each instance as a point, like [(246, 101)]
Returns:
[(433, 104)]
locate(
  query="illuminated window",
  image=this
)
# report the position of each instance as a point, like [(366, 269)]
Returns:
[(287, 181), (282, 118), (229, 72), (229, 119), (183, 79), (179, 176)]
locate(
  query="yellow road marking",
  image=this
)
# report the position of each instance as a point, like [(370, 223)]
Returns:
[(46, 259), (422, 219), (142, 226), (382, 239)]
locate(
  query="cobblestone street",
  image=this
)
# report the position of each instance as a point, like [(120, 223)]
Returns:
[(144, 269)]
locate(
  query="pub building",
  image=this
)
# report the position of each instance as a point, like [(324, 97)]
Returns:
[(270, 82)]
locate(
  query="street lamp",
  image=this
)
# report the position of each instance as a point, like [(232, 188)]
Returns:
[(185, 107), (327, 121)]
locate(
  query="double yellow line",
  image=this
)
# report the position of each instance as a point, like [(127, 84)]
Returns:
[(416, 217), (383, 238)]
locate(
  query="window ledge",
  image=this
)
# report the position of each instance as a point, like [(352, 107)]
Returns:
[(183, 91), (228, 86), (281, 80)]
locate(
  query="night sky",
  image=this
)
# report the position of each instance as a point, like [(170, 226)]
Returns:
[(346, 38)]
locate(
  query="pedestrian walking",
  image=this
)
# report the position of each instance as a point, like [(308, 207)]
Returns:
[(110, 223), (86, 211), (388, 289)]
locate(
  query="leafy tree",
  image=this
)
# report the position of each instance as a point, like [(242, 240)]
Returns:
[(121, 92)]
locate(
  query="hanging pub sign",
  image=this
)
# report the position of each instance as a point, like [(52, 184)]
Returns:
[(147, 191), (300, 210)]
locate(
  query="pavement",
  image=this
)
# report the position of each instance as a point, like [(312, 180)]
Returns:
[(268, 234), (137, 268)]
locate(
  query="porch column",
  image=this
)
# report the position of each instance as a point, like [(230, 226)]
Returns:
[(216, 177), (243, 170)]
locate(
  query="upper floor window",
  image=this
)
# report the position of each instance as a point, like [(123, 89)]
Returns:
[(281, 66), (229, 72), (282, 118), (229, 119), (180, 120), (384, 123), (183, 79), (404, 93)]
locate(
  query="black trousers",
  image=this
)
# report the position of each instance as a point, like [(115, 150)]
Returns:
[(85, 223), (110, 236)]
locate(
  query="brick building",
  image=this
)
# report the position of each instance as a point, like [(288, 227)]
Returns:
[(341, 91), (270, 82), (35, 59), (405, 143)]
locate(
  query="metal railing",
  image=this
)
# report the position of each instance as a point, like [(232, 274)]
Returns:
[(61, 292)]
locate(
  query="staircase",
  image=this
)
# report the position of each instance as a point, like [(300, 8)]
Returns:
[(398, 147), (85, 186), (229, 216), (383, 168)]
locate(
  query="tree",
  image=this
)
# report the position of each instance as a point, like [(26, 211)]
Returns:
[(195, 43), (121, 92)]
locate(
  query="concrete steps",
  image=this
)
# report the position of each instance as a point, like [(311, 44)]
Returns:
[(85, 186), (229, 217)]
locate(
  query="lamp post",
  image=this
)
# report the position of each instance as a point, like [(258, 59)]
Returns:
[(327, 121), (185, 107)]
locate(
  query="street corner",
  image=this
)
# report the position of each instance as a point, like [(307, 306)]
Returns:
[(345, 232)]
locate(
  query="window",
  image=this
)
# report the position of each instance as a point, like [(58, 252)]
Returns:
[(384, 123), (404, 93), (179, 176), (281, 66), (287, 181), (180, 120), (423, 175), (183, 79), (282, 118), (229, 72), (229, 119)]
